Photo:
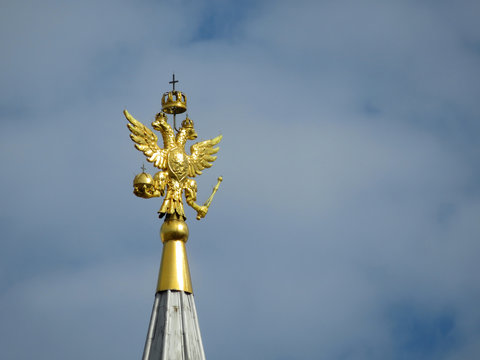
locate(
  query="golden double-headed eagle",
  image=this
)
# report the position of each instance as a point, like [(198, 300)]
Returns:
[(176, 167)]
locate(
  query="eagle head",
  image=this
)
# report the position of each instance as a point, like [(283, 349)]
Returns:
[(190, 132)]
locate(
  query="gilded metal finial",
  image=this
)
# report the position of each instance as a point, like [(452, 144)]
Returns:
[(176, 166), (175, 179), (143, 167), (174, 102)]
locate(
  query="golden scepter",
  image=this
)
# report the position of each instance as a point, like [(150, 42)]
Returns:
[(210, 198)]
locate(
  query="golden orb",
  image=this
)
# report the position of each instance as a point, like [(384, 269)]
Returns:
[(174, 229), (143, 185), (143, 178)]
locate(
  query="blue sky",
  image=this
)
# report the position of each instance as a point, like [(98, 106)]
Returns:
[(346, 227)]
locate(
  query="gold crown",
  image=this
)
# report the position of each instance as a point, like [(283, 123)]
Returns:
[(187, 123), (174, 102)]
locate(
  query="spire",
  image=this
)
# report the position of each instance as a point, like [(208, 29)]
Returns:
[(173, 332)]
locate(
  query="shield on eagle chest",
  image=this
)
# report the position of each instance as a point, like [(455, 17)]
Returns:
[(178, 164)]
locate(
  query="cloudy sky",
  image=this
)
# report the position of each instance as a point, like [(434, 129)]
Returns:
[(347, 225)]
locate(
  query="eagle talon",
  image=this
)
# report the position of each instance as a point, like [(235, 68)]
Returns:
[(201, 212)]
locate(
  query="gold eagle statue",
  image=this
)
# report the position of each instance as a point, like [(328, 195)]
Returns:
[(176, 167)]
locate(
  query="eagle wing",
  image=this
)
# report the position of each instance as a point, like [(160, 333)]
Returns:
[(202, 156), (146, 141)]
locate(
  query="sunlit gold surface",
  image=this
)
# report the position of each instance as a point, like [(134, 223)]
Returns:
[(174, 179), (174, 102), (174, 229), (174, 272), (175, 165), (210, 198), (143, 185)]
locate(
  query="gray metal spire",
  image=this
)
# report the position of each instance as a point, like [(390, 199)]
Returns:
[(173, 333)]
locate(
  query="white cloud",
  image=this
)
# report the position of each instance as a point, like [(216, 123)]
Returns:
[(348, 159)]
